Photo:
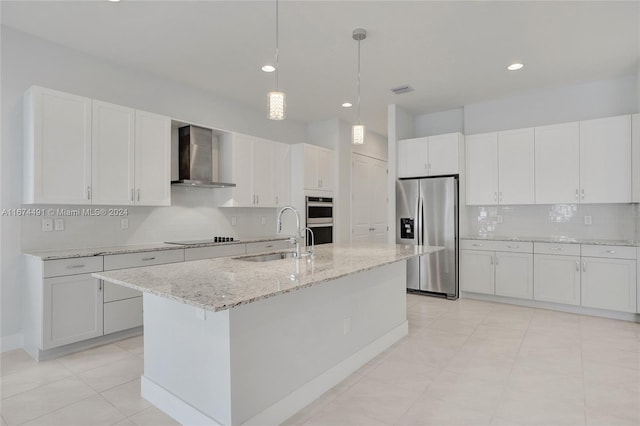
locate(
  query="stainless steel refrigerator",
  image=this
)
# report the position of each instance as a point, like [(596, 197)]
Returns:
[(427, 214)]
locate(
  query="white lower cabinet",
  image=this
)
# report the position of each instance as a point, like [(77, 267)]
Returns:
[(72, 309), (557, 279), (497, 267), (609, 284), (514, 275), (477, 272)]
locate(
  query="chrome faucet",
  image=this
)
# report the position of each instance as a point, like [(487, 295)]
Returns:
[(294, 240), (313, 241)]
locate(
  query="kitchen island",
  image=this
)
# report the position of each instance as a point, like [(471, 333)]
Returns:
[(233, 341)]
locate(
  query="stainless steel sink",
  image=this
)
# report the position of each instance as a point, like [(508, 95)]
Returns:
[(268, 257)]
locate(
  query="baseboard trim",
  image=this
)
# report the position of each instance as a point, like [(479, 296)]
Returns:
[(289, 405), (624, 316)]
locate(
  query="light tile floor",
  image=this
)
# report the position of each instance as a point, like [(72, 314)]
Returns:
[(463, 363)]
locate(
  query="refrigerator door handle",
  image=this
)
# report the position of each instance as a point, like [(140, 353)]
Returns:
[(420, 216)]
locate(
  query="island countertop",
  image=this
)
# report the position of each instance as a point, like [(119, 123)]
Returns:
[(223, 283)]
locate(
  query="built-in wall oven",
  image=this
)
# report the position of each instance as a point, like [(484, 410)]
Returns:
[(320, 219)]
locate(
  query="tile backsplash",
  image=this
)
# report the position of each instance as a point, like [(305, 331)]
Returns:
[(588, 221)]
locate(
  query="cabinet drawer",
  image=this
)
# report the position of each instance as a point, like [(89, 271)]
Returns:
[(508, 246), (557, 248), (122, 314), (113, 292), (198, 253), (616, 252), (148, 258), (74, 266), (268, 246)]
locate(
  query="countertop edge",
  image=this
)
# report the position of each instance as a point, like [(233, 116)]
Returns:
[(107, 251), (586, 241)]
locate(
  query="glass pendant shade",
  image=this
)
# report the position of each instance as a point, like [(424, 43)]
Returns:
[(357, 134), (276, 105)]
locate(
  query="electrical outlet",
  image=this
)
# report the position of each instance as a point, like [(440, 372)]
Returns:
[(234, 221), (47, 225), (588, 220), (58, 224), (263, 220), (124, 223), (346, 325)]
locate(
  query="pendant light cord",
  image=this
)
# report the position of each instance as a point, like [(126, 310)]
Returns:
[(358, 81), (277, 46)]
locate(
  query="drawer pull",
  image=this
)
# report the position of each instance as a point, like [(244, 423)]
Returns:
[(577, 266), (555, 248), (611, 251), (269, 246), (75, 266), (144, 259), (476, 245), (513, 247)]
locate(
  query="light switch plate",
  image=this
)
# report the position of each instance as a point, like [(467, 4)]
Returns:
[(47, 225), (58, 224)]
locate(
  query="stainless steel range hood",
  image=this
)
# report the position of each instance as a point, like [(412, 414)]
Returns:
[(198, 159)]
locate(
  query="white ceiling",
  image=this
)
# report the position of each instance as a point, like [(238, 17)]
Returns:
[(453, 52)]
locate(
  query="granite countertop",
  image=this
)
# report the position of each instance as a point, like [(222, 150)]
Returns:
[(566, 240), (222, 283), (135, 248)]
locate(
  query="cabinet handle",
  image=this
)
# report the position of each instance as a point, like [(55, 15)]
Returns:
[(495, 197), (138, 194), (88, 192), (497, 260), (277, 199), (269, 246), (583, 194), (500, 196), (476, 245), (611, 251), (429, 167), (144, 259), (491, 259), (75, 266), (584, 266), (99, 285), (320, 180), (577, 196), (372, 229), (513, 247), (555, 248), (132, 197), (577, 266)]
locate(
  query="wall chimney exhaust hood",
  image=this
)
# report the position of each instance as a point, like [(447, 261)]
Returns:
[(198, 159)]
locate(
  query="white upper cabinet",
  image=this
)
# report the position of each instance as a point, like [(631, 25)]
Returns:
[(635, 154), (482, 168), (429, 156), (516, 167), (413, 157), (281, 174), (259, 168), (318, 168), (557, 163), (605, 160), (112, 145), (152, 160), (79, 151), (57, 147)]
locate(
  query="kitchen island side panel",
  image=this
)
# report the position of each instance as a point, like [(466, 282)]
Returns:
[(243, 365)]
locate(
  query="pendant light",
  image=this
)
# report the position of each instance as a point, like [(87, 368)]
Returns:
[(276, 98), (357, 131)]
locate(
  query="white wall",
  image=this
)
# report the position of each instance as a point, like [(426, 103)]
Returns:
[(439, 123), (28, 60), (569, 103)]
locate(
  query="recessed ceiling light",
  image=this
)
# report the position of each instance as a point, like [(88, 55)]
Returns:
[(268, 68), (114, 1), (347, 105), (515, 67)]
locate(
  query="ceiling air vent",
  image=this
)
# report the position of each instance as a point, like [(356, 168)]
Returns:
[(402, 89)]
